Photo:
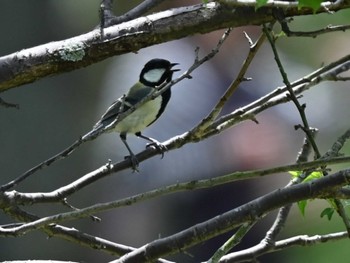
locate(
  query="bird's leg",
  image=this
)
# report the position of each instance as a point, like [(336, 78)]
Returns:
[(132, 157), (156, 144)]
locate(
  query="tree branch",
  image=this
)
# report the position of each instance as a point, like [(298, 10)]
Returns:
[(304, 240), (65, 191), (94, 134), (9, 198), (277, 96), (248, 212), (57, 57), (73, 235)]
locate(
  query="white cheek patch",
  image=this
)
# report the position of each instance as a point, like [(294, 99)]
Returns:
[(154, 75)]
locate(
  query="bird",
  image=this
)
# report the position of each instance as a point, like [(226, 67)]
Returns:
[(155, 73)]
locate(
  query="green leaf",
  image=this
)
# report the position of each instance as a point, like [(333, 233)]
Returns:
[(295, 174), (314, 175), (329, 211), (302, 204), (260, 3), (313, 4)]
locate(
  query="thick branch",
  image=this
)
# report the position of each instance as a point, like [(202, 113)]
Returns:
[(229, 220), (34, 63)]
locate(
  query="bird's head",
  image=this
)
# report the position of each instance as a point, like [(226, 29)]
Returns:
[(156, 71)]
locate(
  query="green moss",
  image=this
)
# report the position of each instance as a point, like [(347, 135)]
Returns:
[(74, 52)]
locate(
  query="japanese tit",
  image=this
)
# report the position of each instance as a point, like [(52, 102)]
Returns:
[(154, 73)]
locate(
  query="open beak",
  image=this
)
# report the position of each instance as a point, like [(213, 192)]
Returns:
[(172, 65)]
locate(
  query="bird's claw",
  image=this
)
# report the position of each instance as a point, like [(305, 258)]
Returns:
[(158, 146), (134, 162)]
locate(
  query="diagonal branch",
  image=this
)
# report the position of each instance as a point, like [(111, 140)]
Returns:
[(31, 64), (65, 191), (74, 235), (304, 240), (94, 134), (301, 108), (278, 96), (231, 219), (31, 198), (199, 130), (109, 19)]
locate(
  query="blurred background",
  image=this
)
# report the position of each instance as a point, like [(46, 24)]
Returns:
[(55, 111)]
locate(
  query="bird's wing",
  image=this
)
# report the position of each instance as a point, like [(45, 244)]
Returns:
[(111, 113), (135, 94)]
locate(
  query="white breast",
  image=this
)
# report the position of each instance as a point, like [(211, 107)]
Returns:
[(140, 118)]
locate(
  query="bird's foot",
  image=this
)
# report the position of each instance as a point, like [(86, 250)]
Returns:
[(134, 162), (159, 146)]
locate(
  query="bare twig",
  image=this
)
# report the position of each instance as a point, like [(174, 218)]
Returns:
[(8, 105), (301, 108), (94, 134), (107, 17), (337, 146), (40, 166), (304, 240), (65, 191), (278, 96), (306, 128), (137, 11), (56, 196), (328, 6), (70, 54), (305, 151), (231, 219), (74, 235), (315, 33), (231, 242), (199, 130), (269, 242)]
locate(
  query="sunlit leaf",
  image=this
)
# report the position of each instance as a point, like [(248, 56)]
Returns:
[(313, 4), (314, 175), (302, 205), (295, 174), (260, 3)]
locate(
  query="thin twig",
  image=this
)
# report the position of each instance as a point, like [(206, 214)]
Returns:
[(107, 17), (59, 156), (8, 105), (94, 134), (337, 145), (199, 130), (231, 219), (315, 33), (247, 255), (137, 11), (306, 128), (268, 243), (328, 5), (231, 242), (326, 73), (74, 235), (56, 196), (301, 108), (65, 191)]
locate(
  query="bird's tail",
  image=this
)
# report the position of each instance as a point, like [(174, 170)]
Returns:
[(93, 133)]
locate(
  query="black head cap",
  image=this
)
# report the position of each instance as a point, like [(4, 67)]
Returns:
[(156, 71)]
